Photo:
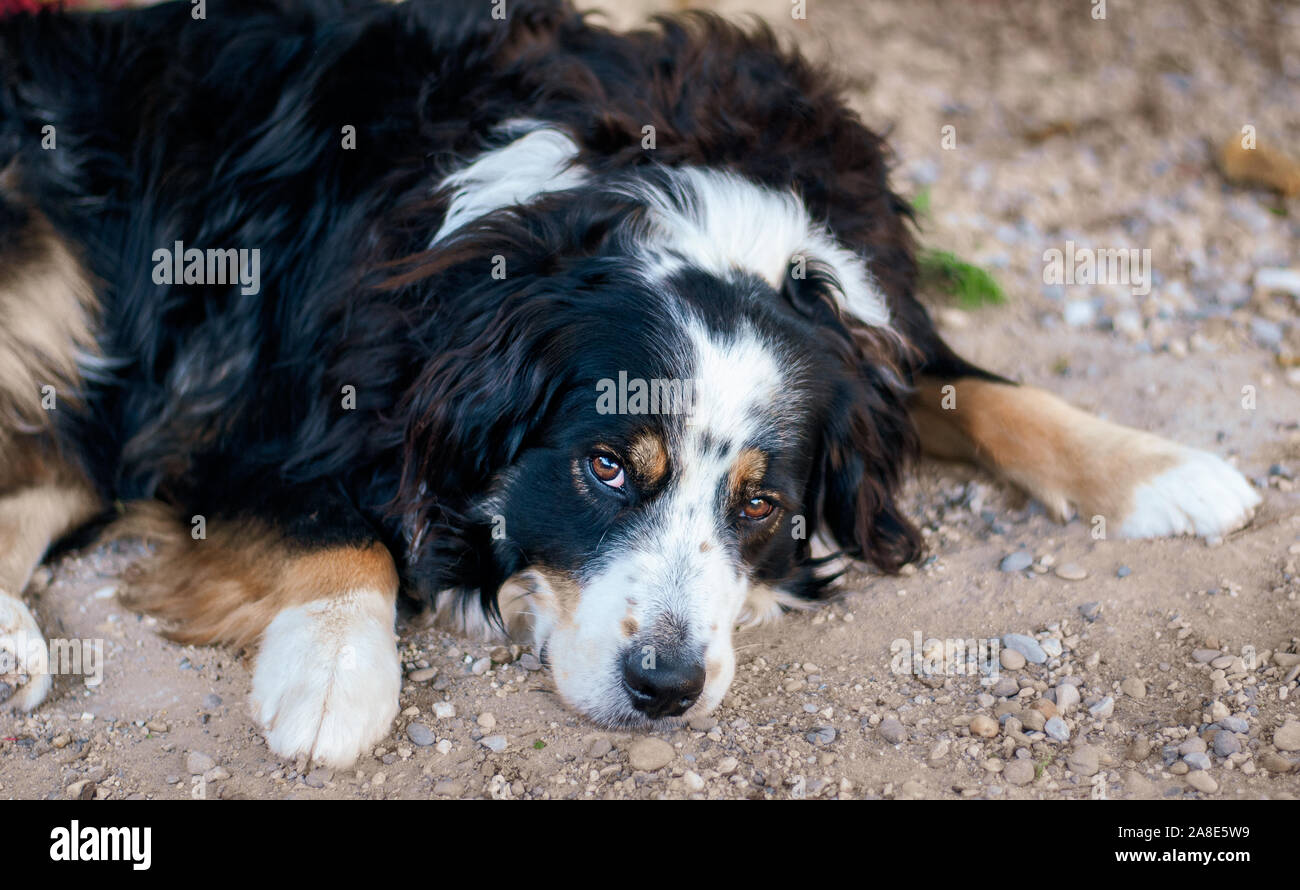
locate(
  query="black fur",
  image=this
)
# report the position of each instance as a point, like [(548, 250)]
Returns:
[(227, 133)]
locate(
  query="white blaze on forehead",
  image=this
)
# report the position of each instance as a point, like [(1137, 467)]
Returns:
[(540, 161), (735, 381), (737, 384), (723, 223)]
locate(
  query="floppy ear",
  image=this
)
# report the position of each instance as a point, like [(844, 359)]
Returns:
[(469, 413), (474, 406), (868, 440)]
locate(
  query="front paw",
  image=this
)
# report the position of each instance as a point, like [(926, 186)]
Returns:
[(24, 657), (327, 678), (1200, 494)]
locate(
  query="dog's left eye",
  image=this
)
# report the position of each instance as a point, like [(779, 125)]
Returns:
[(607, 470), (757, 508)]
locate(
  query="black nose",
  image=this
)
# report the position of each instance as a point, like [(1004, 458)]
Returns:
[(662, 684)]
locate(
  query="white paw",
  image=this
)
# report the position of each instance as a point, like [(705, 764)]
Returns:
[(1202, 495), (24, 658), (327, 678)]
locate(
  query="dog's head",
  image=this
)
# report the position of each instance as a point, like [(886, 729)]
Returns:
[(633, 445)]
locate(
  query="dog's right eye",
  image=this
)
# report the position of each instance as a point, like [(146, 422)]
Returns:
[(607, 470)]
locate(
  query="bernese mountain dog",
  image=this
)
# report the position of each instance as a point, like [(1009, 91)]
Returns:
[(605, 341)]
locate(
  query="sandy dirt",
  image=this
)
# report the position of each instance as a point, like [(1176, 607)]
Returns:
[(1066, 128)]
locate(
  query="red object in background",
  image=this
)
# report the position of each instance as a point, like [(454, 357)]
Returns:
[(12, 7)]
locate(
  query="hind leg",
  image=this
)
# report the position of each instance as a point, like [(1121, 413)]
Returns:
[(1142, 485)]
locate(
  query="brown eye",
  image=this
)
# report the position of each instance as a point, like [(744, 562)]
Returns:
[(757, 508), (608, 470)]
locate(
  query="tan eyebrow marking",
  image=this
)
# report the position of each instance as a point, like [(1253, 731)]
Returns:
[(747, 471), (649, 457)]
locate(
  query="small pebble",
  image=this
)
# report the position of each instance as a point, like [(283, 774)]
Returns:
[(891, 731), (1103, 709), (1276, 763), (1026, 646), (1071, 571), (650, 754), (1012, 660), (1019, 771), (198, 763), (1016, 562), (1046, 707), (1234, 724), (1006, 687), (1133, 688), (1033, 720), (1067, 697), (822, 735), (1225, 743), (420, 735), (1085, 760), (1139, 750), (1287, 737)]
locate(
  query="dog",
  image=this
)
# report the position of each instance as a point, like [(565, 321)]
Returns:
[(608, 342)]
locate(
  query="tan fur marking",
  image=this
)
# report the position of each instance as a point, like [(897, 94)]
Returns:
[(228, 587), (33, 518), (48, 319), (564, 586), (746, 472), (1064, 457), (649, 457)]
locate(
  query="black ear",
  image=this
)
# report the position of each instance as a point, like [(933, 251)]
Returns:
[(470, 412), (809, 287), (867, 441), (474, 406)]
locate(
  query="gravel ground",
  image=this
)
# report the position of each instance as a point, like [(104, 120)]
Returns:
[(1163, 669)]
